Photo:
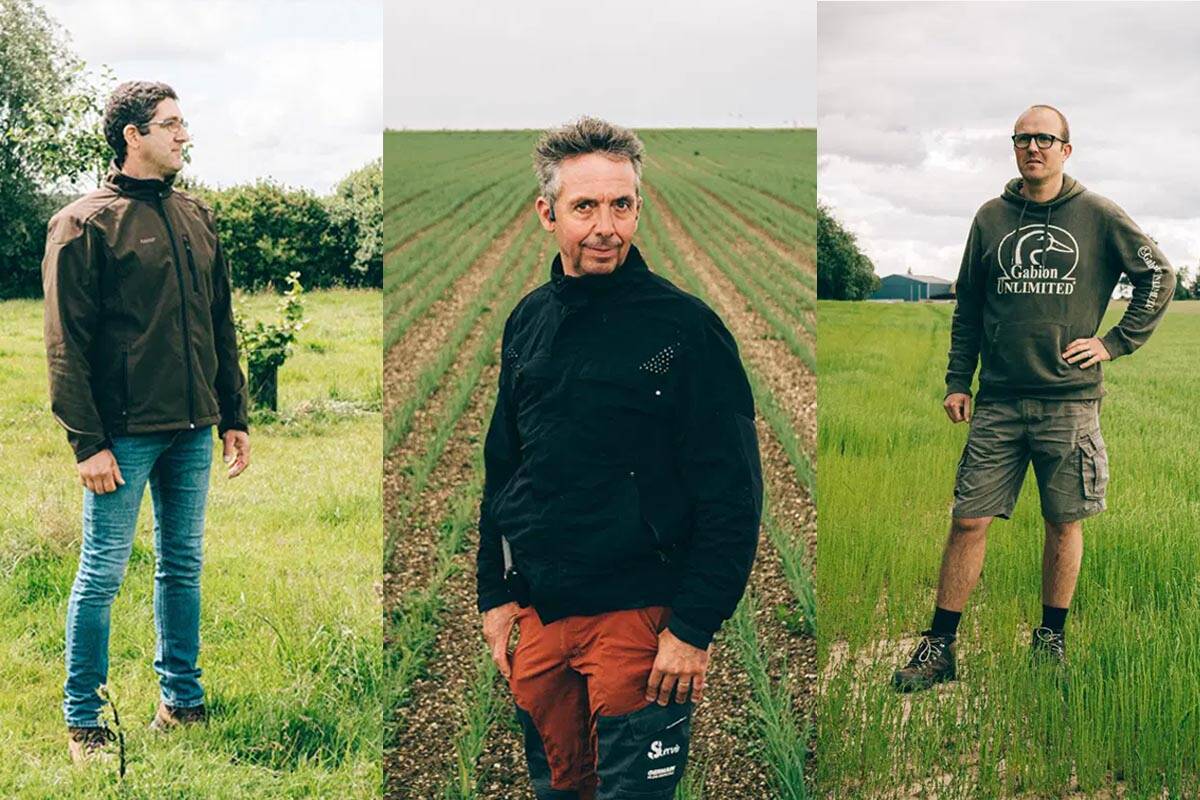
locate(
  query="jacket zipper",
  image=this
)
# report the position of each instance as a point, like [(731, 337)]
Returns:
[(125, 389), (183, 313), (187, 246)]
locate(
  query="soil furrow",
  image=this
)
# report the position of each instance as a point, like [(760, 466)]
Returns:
[(415, 553), (792, 385), (423, 752), (792, 255), (743, 249), (401, 245), (419, 345)]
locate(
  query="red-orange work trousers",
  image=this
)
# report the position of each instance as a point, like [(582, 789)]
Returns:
[(579, 684)]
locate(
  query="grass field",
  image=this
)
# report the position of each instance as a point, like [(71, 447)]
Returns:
[(1125, 724), (729, 216), (291, 633)]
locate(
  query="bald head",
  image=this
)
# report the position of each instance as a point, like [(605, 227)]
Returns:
[(1045, 111)]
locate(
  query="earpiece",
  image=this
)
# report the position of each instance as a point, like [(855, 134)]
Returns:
[(552, 213)]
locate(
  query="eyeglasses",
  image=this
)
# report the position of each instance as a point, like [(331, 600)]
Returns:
[(1044, 140), (170, 124)]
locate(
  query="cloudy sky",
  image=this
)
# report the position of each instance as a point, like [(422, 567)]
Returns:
[(916, 103), (288, 89), (465, 64)]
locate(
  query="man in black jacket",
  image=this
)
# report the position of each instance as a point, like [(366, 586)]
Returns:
[(623, 490)]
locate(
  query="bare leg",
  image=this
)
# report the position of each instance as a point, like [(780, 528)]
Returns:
[(1061, 557), (962, 561)]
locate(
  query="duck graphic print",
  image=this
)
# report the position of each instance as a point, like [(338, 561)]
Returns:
[(1037, 259)]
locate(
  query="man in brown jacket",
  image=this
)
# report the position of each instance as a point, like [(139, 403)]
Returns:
[(143, 362)]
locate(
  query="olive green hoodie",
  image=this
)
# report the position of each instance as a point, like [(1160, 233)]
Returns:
[(1036, 276)]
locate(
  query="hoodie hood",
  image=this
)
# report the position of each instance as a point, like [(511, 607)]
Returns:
[(1071, 189)]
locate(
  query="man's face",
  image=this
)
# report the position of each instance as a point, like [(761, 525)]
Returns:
[(1034, 164), (160, 151), (596, 213)]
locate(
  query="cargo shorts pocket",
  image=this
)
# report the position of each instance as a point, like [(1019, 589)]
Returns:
[(1093, 465), (642, 754)]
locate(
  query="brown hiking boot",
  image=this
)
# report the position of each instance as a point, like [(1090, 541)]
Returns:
[(931, 663), (169, 717), (90, 745)]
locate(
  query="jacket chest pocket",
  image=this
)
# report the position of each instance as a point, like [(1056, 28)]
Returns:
[(615, 391), (197, 253)]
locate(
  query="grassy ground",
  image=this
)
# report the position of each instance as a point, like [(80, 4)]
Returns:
[(291, 628), (1127, 726), (729, 216)]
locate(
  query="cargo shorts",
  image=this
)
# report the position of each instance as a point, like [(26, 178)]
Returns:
[(579, 684), (1062, 439)]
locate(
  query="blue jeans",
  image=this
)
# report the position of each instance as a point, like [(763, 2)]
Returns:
[(176, 464)]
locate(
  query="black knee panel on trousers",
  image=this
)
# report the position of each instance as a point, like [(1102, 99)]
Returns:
[(642, 754)]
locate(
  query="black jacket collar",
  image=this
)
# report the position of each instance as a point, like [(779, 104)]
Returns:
[(582, 289), (142, 189)]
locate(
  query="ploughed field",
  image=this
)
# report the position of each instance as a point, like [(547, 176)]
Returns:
[(730, 217), (290, 630), (1123, 722)]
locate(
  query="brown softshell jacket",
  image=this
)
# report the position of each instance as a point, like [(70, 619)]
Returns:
[(138, 317)]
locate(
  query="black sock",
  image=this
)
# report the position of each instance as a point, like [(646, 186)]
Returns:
[(945, 623), (1054, 618)]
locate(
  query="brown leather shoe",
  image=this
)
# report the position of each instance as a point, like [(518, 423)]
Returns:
[(169, 717), (90, 745)]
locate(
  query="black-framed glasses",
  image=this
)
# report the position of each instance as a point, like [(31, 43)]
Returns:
[(171, 125), (1044, 141)]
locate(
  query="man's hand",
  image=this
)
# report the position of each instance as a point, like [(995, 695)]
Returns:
[(1086, 352), (236, 451), (100, 473), (678, 669), (497, 627), (958, 406)]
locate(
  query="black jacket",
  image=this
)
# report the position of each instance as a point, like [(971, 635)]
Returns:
[(622, 460)]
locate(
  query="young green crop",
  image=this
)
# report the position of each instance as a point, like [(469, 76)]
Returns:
[(1123, 719)]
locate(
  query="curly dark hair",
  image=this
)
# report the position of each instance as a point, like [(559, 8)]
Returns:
[(132, 103)]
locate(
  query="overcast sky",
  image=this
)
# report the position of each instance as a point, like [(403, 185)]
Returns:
[(671, 63), (917, 102), (283, 88)]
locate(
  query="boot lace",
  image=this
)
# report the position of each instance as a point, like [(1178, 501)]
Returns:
[(1050, 640)]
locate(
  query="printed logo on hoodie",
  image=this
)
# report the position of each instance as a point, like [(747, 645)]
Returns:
[(1037, 259)]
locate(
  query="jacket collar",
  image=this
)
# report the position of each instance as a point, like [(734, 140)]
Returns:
[(582, 289), (140, 188)]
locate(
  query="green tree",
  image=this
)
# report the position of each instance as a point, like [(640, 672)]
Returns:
[(356, 224), (49, 135), (843, 271), (268, 231), (1185, 287)]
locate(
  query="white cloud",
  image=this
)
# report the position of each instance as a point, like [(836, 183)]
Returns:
[(289, 90), (916, 102)]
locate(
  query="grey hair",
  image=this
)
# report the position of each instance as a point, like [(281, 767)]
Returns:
[(584, 135)]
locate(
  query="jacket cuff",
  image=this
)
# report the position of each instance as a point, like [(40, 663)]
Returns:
[(957, 386), (232, 426), (492, 597), (86, 452), (684, 632), (1114, 344)]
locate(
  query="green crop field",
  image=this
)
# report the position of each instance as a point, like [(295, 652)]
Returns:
[(1124, 722), (291, 632), (729, 216)]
